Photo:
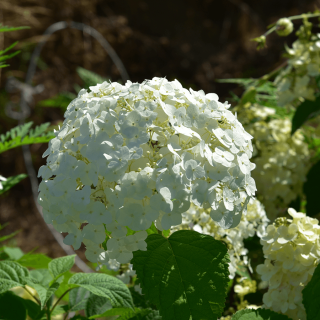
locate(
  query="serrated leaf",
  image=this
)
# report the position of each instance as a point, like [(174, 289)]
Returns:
[(13, 253), (97, 305), (11, 275), (35, 261), (12, 307), (142, 314), (195, 265), (114, 312), (11, 182), (43, 292), (305, 111), (78, 298), (41, 276), (59, 266), (258, 314), (105, 286), (311, 190), (311, 296)]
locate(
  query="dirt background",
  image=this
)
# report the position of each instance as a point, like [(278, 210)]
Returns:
[(196, 42)]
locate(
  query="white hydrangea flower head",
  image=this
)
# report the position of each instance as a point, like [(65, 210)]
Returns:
[(282, 160), (253, 221), (129, 155), (291, 249)]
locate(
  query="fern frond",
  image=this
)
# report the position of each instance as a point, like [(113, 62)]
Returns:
[(22, 135), (11, 182)]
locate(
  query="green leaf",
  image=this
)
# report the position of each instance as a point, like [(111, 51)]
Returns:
[(194, 264), (78, 298), (11, 275), (141, 314), (12, 307), (78, 317), (9, 29), (130, 232), (41, 276), (35, 261), (140, 300), (59, 266), (11, 182), (33, 309), (9, 236), (166, 233), (311, 296), (62, 100), (64, 286), (152, 229), (44, 293), (114, 312), (97, 305), (311, 190), (60, 309), (89, 78), (105, 286), (22, 135), (259, 314), (13, 253), (8, 48), (306, 110)]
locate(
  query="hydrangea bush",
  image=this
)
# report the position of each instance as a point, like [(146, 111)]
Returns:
[(128, 155), (292, 251), (282, 159)]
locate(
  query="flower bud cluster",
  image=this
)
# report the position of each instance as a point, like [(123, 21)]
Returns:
[(291, 248), (282, 160), (128, 155), (253, 221), (298, 79)]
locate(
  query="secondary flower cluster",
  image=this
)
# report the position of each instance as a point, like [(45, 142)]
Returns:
[(128, 155), (282, 160), (253, 221), (292, 252), (298, 79)]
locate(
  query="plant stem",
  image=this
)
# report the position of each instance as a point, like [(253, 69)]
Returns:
[(60, 299), (301, 16)]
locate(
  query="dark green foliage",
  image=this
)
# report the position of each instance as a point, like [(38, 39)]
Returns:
[(196, 265), (305, 111), (259, 314), (311, 296), (105, 286), (311, 190)]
